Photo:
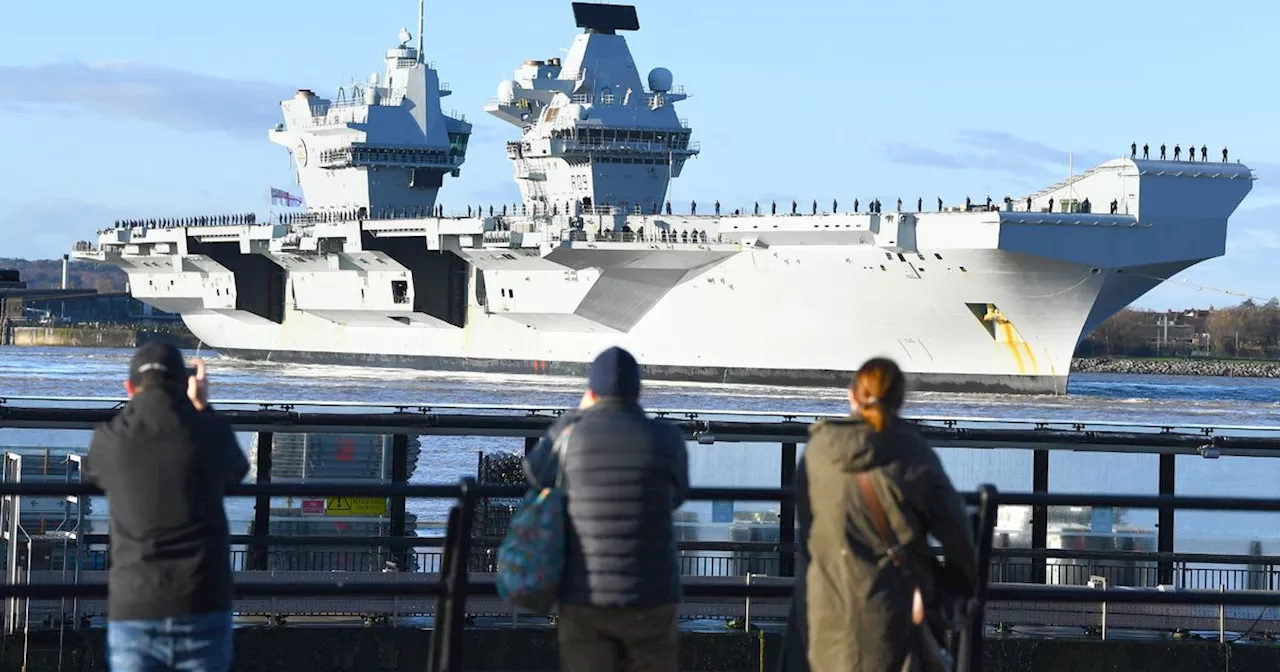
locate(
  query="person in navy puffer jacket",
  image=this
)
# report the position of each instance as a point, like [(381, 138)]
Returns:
[(625, 474)]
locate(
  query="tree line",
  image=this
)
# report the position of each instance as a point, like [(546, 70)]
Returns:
[(47, 274), (1248, 330)]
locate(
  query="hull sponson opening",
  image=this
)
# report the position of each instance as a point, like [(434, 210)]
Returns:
[(920, 382), (439, 277), (260, 282)]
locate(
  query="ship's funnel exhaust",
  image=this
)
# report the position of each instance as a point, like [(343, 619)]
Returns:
[(65, 258)]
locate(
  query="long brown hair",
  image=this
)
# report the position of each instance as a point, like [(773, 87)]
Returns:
[(879, 388)]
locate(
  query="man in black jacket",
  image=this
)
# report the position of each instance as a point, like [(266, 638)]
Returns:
[(165, 462), (625, 474)]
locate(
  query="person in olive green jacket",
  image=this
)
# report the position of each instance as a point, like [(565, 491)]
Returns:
[(859, 605)]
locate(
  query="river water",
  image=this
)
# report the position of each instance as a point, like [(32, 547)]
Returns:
[(1145, 400)]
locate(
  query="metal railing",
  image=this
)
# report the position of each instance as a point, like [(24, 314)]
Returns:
[(1130, 569), (455, 585)]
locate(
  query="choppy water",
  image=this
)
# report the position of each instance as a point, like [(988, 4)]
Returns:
[(1135, 399)]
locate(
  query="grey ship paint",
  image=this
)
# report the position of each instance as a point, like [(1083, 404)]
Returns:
[(970, 298)]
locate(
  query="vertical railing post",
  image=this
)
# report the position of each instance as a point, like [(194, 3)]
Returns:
[(399, 476), (460, 580), (441, 628), (262, 503), (451, 605), (1164, 516), (969, 656), (787, 514), (12, 515), (1039, 515)]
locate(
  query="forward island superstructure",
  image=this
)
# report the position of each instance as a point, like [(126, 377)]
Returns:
[(972, 298)]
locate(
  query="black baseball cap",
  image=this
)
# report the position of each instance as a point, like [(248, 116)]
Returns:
[(158, 357)]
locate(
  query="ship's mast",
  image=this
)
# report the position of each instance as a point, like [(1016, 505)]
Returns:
[(421, 21)]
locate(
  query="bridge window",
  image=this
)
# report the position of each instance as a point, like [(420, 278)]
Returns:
[(400, 291)]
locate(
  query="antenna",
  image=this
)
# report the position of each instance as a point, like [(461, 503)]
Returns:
[(421, 21)]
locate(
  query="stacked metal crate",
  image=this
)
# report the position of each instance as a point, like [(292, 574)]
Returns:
[(332, 458)]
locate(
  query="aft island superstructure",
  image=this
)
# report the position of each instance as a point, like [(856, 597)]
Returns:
[(976, 297)]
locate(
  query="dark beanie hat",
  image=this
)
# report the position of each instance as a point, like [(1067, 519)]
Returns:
[(160, 358), (615, 373)]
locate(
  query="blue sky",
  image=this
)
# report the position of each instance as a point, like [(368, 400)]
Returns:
[(152, 108)]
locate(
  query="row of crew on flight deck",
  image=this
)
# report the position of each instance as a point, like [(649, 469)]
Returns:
[(1177, 152), (658, 234), (200, 220)]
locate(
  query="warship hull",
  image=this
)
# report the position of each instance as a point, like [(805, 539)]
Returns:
[(985, 301), (787, 315)]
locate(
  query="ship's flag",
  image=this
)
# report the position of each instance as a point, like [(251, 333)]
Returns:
[(281, 197)]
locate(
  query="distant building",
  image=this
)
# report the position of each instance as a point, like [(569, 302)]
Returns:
[(22, 305), (1177, 330), (107, 308)]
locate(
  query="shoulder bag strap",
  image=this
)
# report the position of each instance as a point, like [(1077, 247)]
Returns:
[(872, 500), (561, 450), (894, 551)]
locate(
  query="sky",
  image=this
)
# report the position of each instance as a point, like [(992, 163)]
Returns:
[(150, 109)]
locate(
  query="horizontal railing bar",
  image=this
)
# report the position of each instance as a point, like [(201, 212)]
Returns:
[(421, 491), (1132, 556), (777, 589), (719, 430), (997, 554), (442, 491), (1195, 502), (1003, 592), (664, 411), (336, 588), (276, 541)]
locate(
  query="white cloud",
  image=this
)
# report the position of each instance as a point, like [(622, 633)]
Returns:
[(177, 98)]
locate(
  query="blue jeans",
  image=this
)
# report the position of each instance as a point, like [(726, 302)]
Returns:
[(195, 643)]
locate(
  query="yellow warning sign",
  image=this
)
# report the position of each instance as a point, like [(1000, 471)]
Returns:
[(355, 506)]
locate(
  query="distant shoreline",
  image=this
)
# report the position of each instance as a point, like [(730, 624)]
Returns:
[(1183, 366)]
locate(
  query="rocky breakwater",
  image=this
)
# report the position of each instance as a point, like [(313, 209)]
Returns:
[(1230, 368)]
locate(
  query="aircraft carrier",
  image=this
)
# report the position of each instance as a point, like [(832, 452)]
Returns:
[(988, 297)]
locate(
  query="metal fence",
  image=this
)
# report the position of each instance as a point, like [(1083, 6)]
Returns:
[(457, 576), (454, 584)]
